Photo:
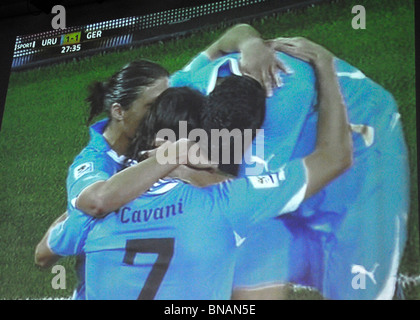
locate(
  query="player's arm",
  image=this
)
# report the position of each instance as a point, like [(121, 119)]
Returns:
[(199, 178), (44, 257), (234, 39), (105, 196), (300, 178), (333, 152), (257, 59)]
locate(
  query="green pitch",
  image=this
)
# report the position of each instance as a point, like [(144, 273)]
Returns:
[(44, 128)]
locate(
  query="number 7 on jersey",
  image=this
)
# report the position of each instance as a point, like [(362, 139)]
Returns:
[(164, 247)]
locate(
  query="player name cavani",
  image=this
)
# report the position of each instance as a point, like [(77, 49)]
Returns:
[(129, 215)]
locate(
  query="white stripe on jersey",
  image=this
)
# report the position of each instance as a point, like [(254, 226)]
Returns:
[(162, 186)]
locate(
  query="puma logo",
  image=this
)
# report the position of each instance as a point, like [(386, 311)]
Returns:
[(359, 281)]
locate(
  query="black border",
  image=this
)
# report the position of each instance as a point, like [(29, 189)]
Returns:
[(102, 11)]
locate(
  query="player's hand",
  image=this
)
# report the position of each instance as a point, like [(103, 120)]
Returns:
[(161, 146), (301, 48), (260, 62)]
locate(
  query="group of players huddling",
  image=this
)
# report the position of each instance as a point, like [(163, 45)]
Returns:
[(327, 194)]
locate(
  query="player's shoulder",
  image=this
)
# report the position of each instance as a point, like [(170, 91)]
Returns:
[(92, 154), (91, 162), (88, 158)]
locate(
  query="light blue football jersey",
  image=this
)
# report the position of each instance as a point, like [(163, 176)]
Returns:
[(96, 162), (180, 242), (286, 111), (357, 220)]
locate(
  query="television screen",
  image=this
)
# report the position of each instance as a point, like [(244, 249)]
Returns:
[(357, 237)]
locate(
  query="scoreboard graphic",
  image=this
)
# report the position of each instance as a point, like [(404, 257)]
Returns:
[(60, 45), (56, 45)]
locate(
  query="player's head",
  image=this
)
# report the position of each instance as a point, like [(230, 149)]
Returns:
[(126, 96), (171, 107), (238, 102)]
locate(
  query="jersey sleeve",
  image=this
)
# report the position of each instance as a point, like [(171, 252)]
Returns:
[(86, 171), (251, 199), (68, 237)]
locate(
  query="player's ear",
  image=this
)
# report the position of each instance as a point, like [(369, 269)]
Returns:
[(117, 112)]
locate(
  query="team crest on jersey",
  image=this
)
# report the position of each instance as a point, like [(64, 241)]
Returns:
[(82, 169)]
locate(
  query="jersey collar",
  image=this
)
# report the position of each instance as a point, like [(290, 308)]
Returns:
[(98, 141), (223, 68), (205, 78)]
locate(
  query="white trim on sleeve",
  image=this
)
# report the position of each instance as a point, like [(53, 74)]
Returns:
[(297, 199), (295, 202)]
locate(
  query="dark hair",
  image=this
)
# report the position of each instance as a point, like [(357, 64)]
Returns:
[(172, 106), (123, 87), (238, 102)]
